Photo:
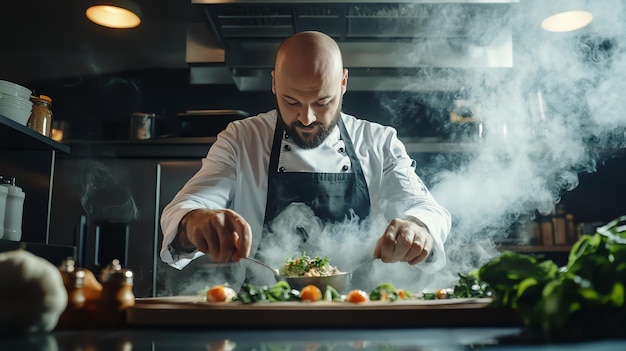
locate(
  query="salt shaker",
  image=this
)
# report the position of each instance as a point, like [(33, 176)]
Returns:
[(13, 211)]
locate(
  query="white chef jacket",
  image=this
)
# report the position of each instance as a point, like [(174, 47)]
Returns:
[(234, 175)]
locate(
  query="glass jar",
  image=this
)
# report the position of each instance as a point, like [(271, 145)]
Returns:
[(41, 115)]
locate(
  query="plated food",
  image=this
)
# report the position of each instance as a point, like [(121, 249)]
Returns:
[(305, 266), (303, 270)]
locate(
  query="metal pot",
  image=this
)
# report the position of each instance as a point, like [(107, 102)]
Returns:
[(142, 126)]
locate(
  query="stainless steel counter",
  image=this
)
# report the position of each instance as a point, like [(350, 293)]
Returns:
[(294, 340)]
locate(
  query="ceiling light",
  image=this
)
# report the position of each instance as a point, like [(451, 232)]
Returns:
[(567, 21), (115, 14)]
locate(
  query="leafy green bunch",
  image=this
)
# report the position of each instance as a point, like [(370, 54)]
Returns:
[(281, 291), (582, 300)]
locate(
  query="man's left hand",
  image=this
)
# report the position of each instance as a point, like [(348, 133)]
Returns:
[(404, 241)]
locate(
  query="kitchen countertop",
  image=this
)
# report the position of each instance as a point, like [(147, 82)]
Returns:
[(192, 311), (422, 339), (422, 326)]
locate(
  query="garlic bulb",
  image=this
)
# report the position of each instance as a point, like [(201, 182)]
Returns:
[(32, 294)]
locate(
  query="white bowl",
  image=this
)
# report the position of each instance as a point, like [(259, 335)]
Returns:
[(9, 88), (18, 114), (14, 100), (24, 107)]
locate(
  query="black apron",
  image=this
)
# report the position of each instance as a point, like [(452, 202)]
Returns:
[(332, 196)]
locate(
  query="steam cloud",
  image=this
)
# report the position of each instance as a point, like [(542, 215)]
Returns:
[(551, 116), (104, 195), (555, 114)]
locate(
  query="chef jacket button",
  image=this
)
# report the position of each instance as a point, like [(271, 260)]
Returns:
[(287, 148), (345, 168), (281, 169), (413, 163), (286, 135), (341, 150)]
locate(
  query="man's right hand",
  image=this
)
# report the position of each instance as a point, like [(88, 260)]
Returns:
[(223, 234)]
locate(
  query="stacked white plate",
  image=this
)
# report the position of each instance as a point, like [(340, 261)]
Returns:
[(15, 102)]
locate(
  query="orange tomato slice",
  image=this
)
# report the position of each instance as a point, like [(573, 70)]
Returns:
[(401, 294), (216, 293), (357, 296), (310, 293)]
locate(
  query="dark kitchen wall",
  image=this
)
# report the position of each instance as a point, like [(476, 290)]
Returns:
[(98, 107), (600, 195)]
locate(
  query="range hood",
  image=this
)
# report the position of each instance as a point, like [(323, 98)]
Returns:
[(386, 45)]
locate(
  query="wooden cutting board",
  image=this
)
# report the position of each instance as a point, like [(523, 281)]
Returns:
[(193, 311)]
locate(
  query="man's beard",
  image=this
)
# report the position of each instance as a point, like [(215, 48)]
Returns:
[(319, 135)]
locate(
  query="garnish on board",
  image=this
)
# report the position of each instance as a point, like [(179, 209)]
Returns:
[(305, 266), (218, 293), (282, 292)]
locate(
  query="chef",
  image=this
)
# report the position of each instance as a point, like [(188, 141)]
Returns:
[(305, 152)]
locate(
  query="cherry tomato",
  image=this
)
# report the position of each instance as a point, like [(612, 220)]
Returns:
[(216, 294), (357, 296), (401, 294), (442, 294), (220, 293), (310, 293)]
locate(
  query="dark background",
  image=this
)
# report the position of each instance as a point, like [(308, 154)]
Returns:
[(98, 107)]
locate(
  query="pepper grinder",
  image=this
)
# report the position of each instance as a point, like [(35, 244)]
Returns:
[(13, 211), (117, 295), (74, 281)]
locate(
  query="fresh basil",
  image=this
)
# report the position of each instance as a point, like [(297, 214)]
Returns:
[(581, 300)]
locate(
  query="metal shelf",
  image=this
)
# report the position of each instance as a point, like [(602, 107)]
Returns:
[(16, 137), (197, 147), (439, 147), (55, 254), (29, 157), (194, 148), (535, 248)]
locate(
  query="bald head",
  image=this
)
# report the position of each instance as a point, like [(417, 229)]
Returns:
[(309, 54), (309, 82)]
